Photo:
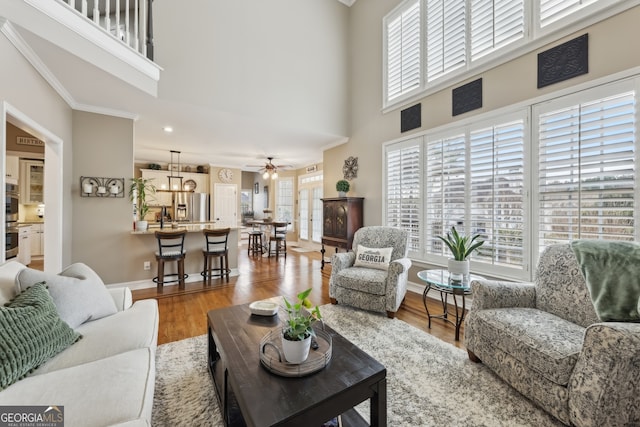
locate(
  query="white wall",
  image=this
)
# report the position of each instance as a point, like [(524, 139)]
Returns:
[(284, 61), (26, 92)]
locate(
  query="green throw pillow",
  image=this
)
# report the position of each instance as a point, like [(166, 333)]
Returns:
[(31, 332)]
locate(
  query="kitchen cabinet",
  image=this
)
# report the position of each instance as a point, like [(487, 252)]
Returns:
[(37, 239), (31, 182), (12, 172), (24, 244), (161, 182), (342, 217)]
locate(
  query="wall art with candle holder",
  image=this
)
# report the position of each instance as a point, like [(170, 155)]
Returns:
[(93, 186)]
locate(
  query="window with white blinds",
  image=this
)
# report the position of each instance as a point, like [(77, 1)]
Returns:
[(586, 175), (404, 189), (284, 200), (403, 60), (497, 192), (446, 37), (553, 10), (445, 181), (427, 41), (495, 24)]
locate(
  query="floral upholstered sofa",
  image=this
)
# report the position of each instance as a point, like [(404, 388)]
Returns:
[(546, 340)]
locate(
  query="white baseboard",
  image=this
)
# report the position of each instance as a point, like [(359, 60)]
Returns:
[(145, 284)]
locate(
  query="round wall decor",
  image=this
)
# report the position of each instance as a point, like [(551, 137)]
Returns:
[(225, 175)]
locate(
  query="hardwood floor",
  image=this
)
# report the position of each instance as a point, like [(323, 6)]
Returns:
[(183, 311)]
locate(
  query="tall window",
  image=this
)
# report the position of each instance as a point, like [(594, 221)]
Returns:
[(403, 202), (496, 192), (586, 176), (427, 41), (402, 29), (284, 200), (475, 181), (557, 171)]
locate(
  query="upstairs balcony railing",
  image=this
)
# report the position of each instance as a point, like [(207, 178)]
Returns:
[(129, 21)]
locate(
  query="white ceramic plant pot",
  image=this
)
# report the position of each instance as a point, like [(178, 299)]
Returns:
[(458, 271), (142, 225), (342, 194), (296, 351)]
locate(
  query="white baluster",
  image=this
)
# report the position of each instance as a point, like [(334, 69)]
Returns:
[(84, 8), (136, 40), (126, 23), (107, 16), (143, 28), (118, 19), (72, 3), (96, 12)]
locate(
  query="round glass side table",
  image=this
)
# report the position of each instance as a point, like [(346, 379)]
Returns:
[(440, 281)]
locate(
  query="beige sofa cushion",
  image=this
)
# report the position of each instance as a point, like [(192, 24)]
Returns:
[(109, 391), (136, 327), (8, 273)]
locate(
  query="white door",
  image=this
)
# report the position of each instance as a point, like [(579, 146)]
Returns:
[(310, 210), (225, 205)]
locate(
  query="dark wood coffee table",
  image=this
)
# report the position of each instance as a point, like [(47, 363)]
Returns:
[(251, 395)]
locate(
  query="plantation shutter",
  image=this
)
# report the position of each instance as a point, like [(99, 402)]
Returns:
[(553, 10), (495, 24), (497, 199), (404, 189), (586, 173), (403, 51), (445, 188), (446, 37)]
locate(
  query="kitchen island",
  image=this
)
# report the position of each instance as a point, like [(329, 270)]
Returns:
[(193, 245)]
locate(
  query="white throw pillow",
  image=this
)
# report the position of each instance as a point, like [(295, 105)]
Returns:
[(78, 293), (373, 257)]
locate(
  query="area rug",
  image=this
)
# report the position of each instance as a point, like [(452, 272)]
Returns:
[(302, 250), (429, 382)]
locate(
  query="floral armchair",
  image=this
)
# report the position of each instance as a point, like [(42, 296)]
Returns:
[(546, 340), (373, 289)]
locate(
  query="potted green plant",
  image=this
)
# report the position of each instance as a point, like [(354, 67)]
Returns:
[(461, 247), (343, 187), (297, 332), (138, 191)]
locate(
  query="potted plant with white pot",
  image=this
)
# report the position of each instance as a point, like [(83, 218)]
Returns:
[(461, 247), (138, 191), (343, 187), (297, 332)]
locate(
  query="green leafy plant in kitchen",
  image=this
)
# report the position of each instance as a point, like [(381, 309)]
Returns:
[(139, 189), (461, 246), (298, 325), (343, 186)]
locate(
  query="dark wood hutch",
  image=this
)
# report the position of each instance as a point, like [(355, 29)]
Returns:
[(342, 216)]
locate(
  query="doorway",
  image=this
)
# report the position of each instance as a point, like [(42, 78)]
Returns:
[(310, 210), (52, 229)]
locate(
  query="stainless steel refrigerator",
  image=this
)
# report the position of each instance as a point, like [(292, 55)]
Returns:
[(191, 207)]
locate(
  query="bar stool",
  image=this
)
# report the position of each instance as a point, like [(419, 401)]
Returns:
[(215, 247), (170, 248), (279, 237), (255, 242)]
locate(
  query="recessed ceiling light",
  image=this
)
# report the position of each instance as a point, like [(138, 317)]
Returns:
[(167, 129)]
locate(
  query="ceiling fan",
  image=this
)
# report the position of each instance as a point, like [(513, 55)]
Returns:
[(269, 169)]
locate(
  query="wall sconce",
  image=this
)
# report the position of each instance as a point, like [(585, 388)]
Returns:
[(91, 186)]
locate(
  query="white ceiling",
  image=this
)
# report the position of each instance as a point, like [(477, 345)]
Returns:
[(203, 134)]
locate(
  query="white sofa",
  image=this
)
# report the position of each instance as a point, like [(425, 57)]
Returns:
[(105, 378)]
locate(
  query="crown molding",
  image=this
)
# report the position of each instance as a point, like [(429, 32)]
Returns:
[(347, 2), (16, 39)]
